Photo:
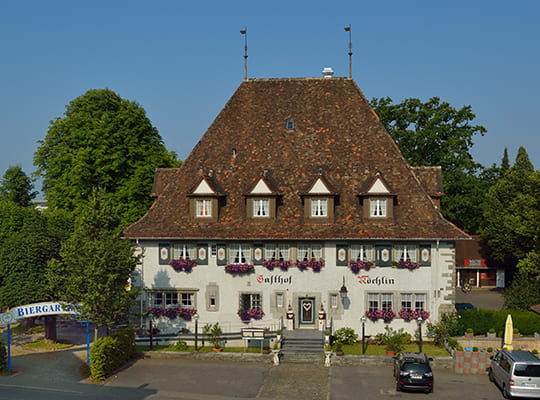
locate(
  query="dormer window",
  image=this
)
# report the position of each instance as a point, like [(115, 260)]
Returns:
[(319, 207), (204, 200), (204, 208), (319, 201), (290, 125), (261, 208), (377, 208)]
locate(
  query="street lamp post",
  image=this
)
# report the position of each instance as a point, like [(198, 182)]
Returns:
[(196, 318), (420, 320), (343, 291), (363, 319)]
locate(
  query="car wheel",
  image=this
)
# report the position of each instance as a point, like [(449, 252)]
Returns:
[(490, 376), (430, 390), (506, 393), (397, 387)]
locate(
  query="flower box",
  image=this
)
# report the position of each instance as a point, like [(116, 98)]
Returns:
[(406, 264), (250, 313), (276, 264), (316, 265), (183, 264), (387, 316), (357, 265), (239, 268), (172, 312), (408, 315)]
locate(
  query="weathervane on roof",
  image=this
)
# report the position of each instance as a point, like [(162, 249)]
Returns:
[(244, 32), (348, 29)]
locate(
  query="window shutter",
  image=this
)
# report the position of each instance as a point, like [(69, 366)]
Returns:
[(221, 254), (342, 251), (202, 253), (164, 253), (384, 255), (425, 255), (258, 253)]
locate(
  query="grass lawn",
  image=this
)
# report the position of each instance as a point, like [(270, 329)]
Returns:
[(46, 345), (373, 350)]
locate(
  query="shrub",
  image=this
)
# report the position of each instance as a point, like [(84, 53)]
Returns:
[(470, 330), (346, 336), (475, 348), (491, 330), (446, 327), (482, 320), (459, 348), (110, 353), (181, 346), (452, 343), (490, 349), (535, 352), (3, 357), (395, 340)]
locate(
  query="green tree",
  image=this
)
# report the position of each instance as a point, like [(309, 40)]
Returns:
[(435, 133), (96, 264), (28, 240), (103, 140), (523, 292), (505, 162), (17, 187), (511, 223)]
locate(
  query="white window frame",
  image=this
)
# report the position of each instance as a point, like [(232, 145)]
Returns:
[(334, 300), (319, 208), (239, 253), (407, 301), (203, 208), (261, 208), (361, 252), (420, 300), (171, 298), (184, 250), (277, 251), (404, 252), (377, 208), (251, 300), (307, 251), (279, 300), (387, 302), (373, 301)]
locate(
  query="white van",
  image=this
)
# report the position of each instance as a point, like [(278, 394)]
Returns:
[(516, 372)]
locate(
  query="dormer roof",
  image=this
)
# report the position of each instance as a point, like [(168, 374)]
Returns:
[(376, 185), (335, 131), (319, 186), (262, 186), (205, 186)]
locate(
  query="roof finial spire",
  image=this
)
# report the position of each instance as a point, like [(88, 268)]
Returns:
[(348, 29), (244, 32)]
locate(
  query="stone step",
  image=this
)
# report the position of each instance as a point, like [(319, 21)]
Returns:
[(301, 358)]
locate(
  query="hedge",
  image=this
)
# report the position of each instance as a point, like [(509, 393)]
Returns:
[(3, 357), (110, 353), (480, 321)]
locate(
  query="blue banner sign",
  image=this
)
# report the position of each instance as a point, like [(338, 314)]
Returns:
[(36, 310)]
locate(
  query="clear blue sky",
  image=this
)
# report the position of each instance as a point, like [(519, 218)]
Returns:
[(182, 60)]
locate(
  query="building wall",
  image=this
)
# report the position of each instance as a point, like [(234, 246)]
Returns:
[(435, 281)]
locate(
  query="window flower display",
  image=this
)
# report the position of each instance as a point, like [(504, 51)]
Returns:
[(357, 265), (406, 264), (409, 315), (275, 264), (183, 264), (316, 265), (239, 268), (172, 312), (249, 314)]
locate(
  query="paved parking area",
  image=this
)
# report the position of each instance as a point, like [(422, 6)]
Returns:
[(487, 299)]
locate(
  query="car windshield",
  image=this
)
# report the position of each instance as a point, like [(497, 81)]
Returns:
[(415, 368), (531, 370)]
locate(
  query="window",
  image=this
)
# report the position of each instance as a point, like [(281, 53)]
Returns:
[(361, 252), (184, 250), (405, 252), (334, 301), (250, 300), (279, 300), (279, 251), (319, 207), (261, 208), (239, 253), (386, 301), (170, 298), (419, 302), (290, 125), (406, 301), (373, 301), (377, 207), (307, 251), (204, 208)]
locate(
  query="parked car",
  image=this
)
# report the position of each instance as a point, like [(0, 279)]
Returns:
[(412, 371), (516, 372), (464, 306)]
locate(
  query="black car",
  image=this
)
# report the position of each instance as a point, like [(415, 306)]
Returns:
[(413, 372)]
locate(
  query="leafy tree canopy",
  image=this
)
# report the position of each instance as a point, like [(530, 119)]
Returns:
[(95, 264), (17, 187), (28, 240), (103, 140), (435, 133), (511, 223)]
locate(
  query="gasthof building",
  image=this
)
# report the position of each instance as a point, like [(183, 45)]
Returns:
[(296, 205)]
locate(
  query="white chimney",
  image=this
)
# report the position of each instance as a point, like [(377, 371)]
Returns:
[(328, 72)]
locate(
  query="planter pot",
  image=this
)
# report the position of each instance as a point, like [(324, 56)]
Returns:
[(469, 335), (339, 353), (217, 350), (517, 335), (491, 335), (390, 353)]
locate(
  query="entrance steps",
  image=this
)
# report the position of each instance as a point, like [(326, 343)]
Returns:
[(302, 346)]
